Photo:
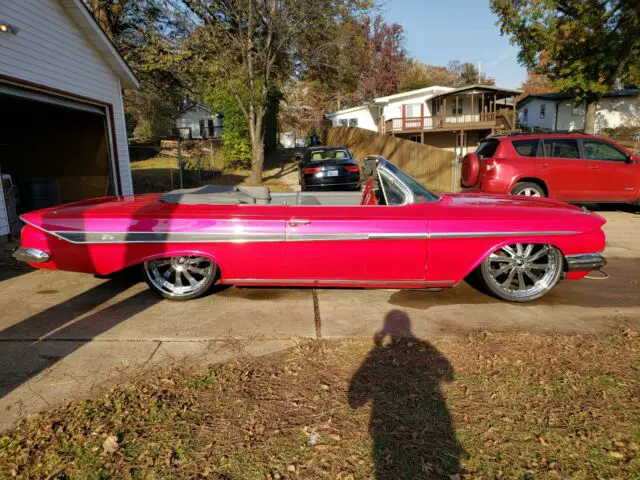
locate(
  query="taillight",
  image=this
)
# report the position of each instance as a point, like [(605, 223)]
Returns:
[(352, 168), (312, 170)]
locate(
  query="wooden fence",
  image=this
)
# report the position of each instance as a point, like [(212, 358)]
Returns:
[(433, 167)]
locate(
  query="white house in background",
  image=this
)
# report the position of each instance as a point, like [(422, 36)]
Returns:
[(62, 121), (558, 111), (195, 121), (451, 118)]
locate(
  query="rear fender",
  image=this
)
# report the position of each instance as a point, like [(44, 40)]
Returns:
[(504, 243)]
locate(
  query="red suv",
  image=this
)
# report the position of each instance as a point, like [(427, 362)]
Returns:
[(569, 167)]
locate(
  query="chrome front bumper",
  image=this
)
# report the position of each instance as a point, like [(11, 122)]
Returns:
[(31, 255), (585, 262)]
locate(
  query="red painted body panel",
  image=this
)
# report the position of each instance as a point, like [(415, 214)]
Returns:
[(417, 245)]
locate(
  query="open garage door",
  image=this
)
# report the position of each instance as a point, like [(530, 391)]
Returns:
[(53, 149)]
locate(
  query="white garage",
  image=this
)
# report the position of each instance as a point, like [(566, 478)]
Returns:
[(62, 129)]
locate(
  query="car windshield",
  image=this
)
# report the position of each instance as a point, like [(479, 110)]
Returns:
[(420, 193), (324, 155)]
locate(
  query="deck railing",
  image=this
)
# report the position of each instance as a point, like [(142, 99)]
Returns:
[(438, 122)]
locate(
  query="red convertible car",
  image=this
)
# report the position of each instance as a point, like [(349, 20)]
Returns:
[(393, 234)]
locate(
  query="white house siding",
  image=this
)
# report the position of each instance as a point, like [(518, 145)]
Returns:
[(366, 116), (394, 108), (50, 50), (533, 108), (613, 112), (568, 118), (191, 119)]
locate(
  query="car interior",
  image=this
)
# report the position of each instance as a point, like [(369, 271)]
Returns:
[(374, 192)]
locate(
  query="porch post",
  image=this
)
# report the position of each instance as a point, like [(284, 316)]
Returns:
[(514, 111)]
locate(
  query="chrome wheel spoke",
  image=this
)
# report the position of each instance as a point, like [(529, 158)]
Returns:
[(538, 267), (509, 280), (510, 251), (178, 279), (501, 270), (192, 281), (518, 249), (498, 258), (528, 250), (521, 284), (168, 273), (199, 271), (543, 251)]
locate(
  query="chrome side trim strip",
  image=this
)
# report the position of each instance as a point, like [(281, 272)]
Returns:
[(311, 237), (336, 281), (585, 262), (165, 237), (500, 234)]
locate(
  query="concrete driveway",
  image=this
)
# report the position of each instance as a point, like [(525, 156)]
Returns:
[(64, 334)]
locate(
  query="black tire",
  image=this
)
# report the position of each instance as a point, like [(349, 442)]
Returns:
[(204, 282), (528, 189), (484, 278)]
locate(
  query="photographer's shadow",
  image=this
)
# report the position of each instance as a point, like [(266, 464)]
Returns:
[(412, 431)]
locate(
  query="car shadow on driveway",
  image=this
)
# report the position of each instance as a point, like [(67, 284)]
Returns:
[(70, 324), (621, 289)]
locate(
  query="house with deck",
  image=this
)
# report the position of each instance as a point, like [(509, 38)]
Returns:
[(455, 119)]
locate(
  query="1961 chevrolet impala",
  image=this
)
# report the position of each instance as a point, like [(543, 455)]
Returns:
[(393, 234)]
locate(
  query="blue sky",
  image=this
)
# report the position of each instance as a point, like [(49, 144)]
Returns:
[(441, 30)]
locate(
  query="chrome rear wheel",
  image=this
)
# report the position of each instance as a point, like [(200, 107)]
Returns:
[(522, 272), (180, 277)]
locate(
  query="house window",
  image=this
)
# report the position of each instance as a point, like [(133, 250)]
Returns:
[(456, 110), (343, 122), (577, 109), (412, 110), (525, 115), (353, 122), (543, 111), (415, 138)]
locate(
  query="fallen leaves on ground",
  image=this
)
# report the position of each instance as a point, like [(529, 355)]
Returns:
[(498, 405)]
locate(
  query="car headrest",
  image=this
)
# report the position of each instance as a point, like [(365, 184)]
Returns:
[(369, 167)]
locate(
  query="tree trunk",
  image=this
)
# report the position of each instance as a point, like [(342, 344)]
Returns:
[(590, 118), (257, 148)]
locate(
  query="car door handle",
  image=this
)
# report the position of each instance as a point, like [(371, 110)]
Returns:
[(294, 222)]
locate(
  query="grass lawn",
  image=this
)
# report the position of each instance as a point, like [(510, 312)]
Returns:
[(493, 405)]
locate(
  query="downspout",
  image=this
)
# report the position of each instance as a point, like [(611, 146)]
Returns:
[(555, 120)]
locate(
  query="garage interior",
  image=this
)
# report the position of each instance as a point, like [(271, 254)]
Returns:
[(52, 150)]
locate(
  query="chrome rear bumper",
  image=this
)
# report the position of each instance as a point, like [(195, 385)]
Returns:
[(586, 262), (31, 255)]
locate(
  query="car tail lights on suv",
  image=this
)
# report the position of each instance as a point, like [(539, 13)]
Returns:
[(569, 167)]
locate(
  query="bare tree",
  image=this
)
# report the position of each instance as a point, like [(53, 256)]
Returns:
[(253, 46)]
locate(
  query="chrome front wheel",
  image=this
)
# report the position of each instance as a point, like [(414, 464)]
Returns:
[(522, 272), (180, 277)]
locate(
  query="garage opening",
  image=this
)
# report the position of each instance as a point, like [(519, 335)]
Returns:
[(52, 150)]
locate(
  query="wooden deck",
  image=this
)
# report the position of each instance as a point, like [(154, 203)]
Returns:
[(443, 123)]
